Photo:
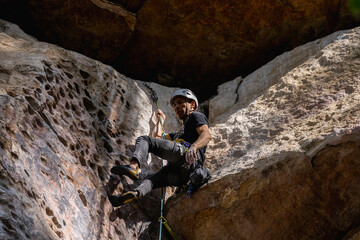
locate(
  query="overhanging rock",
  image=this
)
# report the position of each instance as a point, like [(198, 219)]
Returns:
[(189, 43)]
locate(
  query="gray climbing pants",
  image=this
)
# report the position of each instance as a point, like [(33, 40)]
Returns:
[(171, 175)]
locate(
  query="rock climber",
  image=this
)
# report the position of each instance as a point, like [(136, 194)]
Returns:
[(184, 150)]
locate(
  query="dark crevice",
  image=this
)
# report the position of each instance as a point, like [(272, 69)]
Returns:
[(62, 140), (44, 117), (87, 94), (77, 88), (132, 6), (108, 147), (237, 90)]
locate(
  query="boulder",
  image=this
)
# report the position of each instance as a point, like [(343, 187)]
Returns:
[(65, 120), (285, 156)]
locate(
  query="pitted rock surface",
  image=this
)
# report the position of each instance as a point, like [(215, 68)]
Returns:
[(65, 120), (285, 153), (181, 43)]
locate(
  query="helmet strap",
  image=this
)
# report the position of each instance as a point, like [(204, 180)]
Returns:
[(187, 113)]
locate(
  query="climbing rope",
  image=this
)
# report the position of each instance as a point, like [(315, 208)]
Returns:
[(162, 219), (162, 194), (168, 227)]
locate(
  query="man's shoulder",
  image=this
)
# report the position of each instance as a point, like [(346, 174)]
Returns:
[(199, 117), (198, 114)]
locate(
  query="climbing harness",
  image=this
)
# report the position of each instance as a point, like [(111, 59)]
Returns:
[(183, 142), (162, 219)]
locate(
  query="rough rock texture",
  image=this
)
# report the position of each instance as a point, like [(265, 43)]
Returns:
[(285, 155), (185, 42), (65, 120), (285, 158)]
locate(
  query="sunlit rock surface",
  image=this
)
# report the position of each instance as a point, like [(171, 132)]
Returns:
[(65, 120)]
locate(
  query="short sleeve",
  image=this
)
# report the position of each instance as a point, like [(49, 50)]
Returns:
[(200, 119)]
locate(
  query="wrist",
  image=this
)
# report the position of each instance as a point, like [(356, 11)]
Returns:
[(193, 146)]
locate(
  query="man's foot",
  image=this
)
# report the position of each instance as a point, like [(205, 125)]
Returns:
[(126, 170), (118, 200)]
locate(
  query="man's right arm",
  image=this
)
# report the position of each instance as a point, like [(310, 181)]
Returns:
[(158, 129)]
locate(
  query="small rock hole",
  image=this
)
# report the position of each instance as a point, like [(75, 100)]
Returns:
[(40, 79), (49, 212), (62, 93), (108, 147), (87, 94), (82, 197), (90, 107), (69, 75), (71, 96), (84, 74), (63, 141), (101, 115), (82, 161), (77, 88)]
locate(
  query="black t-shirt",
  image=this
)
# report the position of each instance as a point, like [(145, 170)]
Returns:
[(188, 130)]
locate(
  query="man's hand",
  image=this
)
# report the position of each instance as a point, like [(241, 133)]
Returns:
[(158, 131), (159, 114), (191, 155)]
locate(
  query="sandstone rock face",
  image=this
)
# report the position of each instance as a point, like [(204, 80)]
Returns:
[(285, 158), (65, 120), (190, 43)]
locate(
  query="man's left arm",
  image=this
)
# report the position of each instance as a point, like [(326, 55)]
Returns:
[(203, 139)]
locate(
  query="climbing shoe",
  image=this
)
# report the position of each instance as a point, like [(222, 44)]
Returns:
[(126, 170), (118, 200)]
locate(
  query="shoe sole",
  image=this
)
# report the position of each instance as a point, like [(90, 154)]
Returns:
[(122, 171), (115, 201)]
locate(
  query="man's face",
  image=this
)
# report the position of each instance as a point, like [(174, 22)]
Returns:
[(179, 106)]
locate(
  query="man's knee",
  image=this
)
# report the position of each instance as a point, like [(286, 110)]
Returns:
[(145, 187), (143, 138)]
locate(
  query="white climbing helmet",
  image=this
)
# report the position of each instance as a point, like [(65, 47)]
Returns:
[(187, 93)]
